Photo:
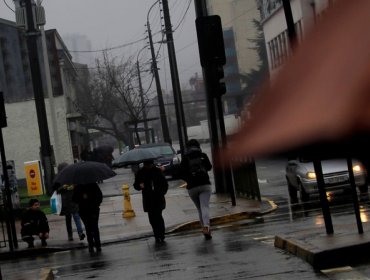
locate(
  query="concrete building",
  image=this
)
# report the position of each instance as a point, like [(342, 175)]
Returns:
[(237, 21), (21, 136), (305, 14)]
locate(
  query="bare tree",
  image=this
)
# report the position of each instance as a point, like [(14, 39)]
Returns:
[(110, 100)]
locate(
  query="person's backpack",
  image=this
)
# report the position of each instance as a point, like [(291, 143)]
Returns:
[(197, 170)]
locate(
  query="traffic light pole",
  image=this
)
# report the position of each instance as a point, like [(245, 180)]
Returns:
[(201, 10), (212, 62)]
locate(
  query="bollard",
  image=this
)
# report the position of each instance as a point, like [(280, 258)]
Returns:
[(128, 212)]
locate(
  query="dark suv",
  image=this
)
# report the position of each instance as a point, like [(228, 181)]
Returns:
[(168, 158)]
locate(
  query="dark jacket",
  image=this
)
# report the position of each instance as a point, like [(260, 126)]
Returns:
[(155, 187), (185, 168), (34, 222), (68, 205), (88, 197)]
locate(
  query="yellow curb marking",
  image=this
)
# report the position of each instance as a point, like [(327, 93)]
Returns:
[(46, 274), (343, 273)]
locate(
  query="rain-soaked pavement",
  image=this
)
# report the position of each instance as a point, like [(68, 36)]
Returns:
[(237, 251), (233, 253)]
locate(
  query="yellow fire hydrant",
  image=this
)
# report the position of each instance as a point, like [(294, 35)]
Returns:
[(128, 212)]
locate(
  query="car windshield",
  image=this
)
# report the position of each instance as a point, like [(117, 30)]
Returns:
[(161, 150)]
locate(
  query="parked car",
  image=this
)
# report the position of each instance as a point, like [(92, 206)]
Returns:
[(168, 158), (301, 177)]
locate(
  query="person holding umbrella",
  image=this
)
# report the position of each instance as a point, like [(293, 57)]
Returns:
[(87, 194), (69, 208), (89, 197), (153, 185)]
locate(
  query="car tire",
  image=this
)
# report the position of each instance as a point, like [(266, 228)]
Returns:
[(305, 197), (293, 193)]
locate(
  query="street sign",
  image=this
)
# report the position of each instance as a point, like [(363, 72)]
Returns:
[(35, 184)]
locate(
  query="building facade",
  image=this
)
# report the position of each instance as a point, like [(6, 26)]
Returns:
[(237, 18), (21, 136), (305, 14)]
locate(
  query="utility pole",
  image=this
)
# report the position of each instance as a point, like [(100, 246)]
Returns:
[(181, 124), (143, 105), (292, 34), (162, 110), (49, 90), (32, 34)]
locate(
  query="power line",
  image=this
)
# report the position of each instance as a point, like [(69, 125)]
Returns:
[(8, 6), (183, 17), (109, 49)]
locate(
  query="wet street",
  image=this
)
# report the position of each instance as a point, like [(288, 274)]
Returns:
[(233, 253), (240, 250)]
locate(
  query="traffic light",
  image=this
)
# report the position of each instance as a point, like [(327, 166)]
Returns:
[(215, 81), (212, 52), (3, 122), (210, 41)]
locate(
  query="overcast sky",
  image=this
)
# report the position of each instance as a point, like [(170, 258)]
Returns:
[(111, 23)]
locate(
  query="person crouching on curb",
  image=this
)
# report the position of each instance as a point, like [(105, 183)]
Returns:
[(34, 222), (153, 185), (194, 171)]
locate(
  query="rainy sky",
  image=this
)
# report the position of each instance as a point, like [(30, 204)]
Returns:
[(113, 23)]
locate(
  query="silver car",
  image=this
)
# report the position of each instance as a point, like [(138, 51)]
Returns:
[(301, 177)]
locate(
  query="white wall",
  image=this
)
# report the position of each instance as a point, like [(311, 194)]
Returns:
[(21, 136)]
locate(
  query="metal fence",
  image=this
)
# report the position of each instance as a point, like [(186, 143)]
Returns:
[(245, 179)]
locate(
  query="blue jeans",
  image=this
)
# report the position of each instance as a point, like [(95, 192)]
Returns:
[(77, 220)]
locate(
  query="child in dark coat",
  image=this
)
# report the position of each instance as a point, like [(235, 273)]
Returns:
[(34, 222)]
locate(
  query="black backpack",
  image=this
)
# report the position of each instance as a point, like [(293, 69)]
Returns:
[(197, 170)]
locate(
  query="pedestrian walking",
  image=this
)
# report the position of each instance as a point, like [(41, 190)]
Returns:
[(34, 222), (153, 185), (69, 207), (194, 171), (88, 198)]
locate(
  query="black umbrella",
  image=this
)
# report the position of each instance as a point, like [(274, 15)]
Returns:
[(105, 149), (84, 172), (136, 156)]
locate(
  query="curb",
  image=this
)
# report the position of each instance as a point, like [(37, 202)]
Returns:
[(218, 220), (46, 274), (192, 225)]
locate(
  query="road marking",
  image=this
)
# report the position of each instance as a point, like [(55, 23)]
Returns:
[(264, 237), (344, 273), (262, 181)]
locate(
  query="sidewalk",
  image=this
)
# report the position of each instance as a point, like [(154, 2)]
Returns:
[(180, 214), (342, 248)]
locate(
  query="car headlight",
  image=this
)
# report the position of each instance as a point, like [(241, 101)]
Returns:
[(311, 175), (357, 168), (175, 160)]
